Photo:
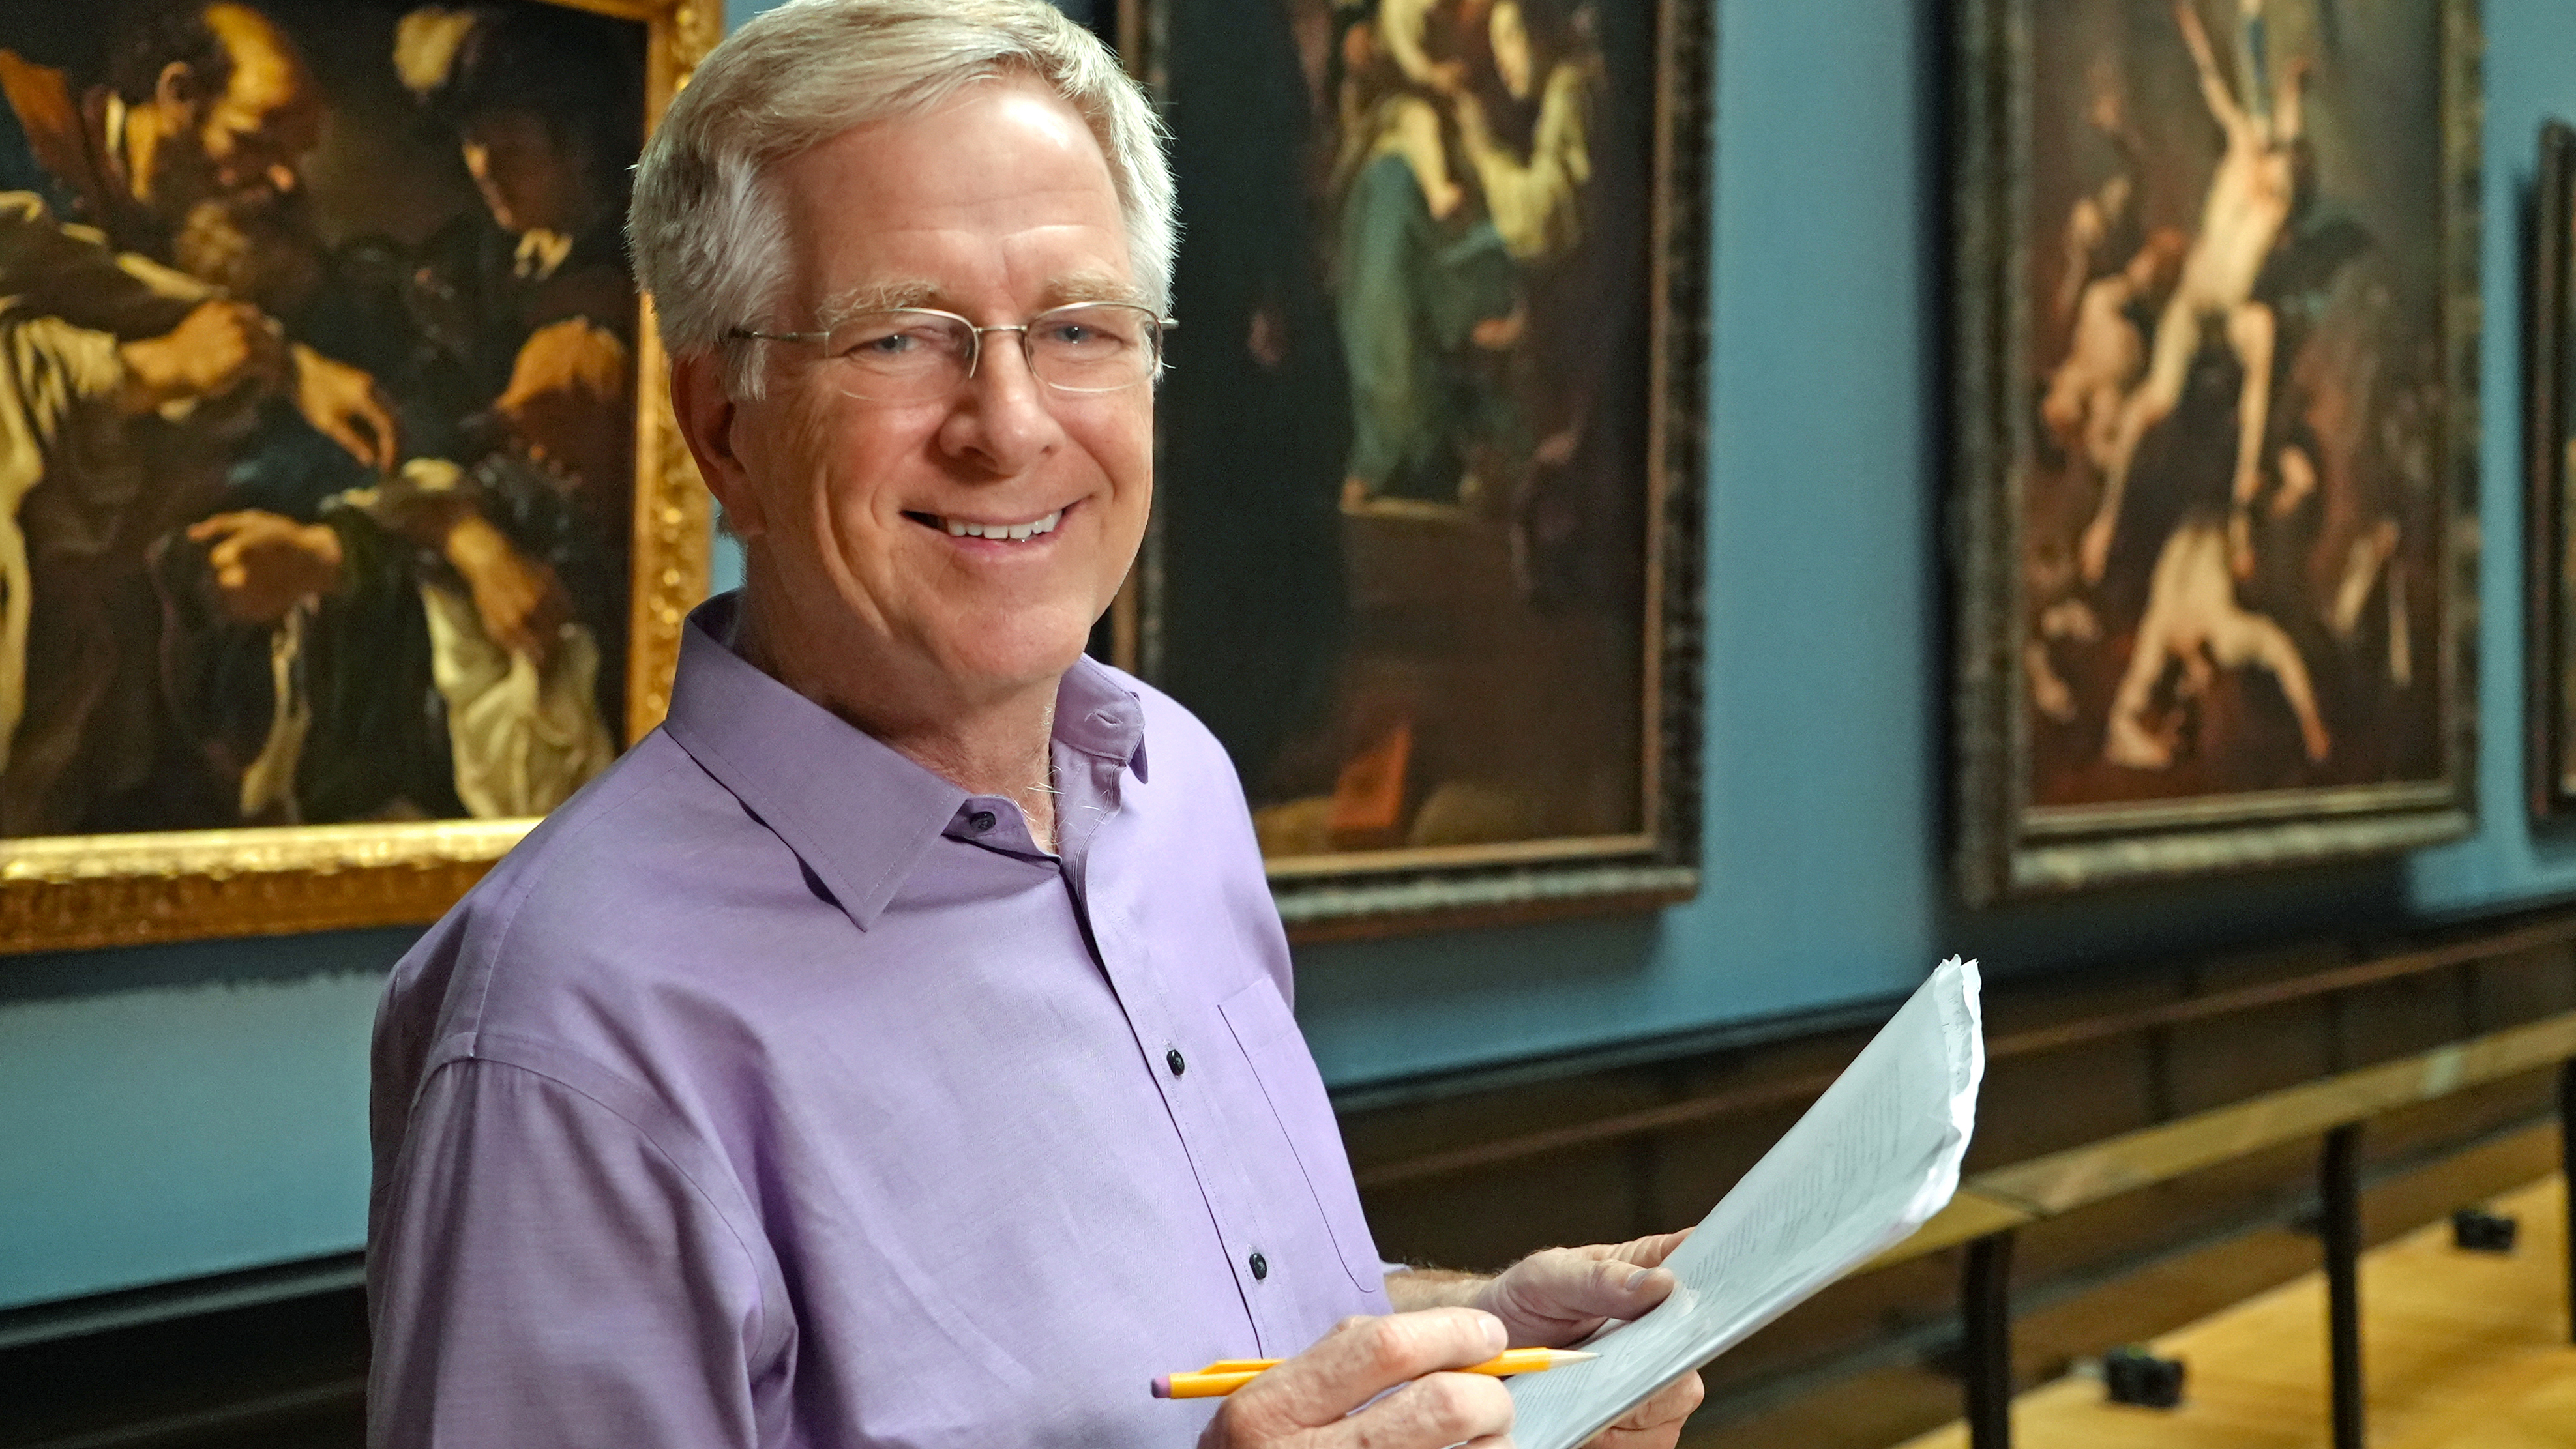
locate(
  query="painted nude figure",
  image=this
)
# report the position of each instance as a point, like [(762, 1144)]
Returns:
[(2088, 392), (2193, 621), (2250, 199)]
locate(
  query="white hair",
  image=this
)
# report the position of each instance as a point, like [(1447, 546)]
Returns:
[(709, 235)]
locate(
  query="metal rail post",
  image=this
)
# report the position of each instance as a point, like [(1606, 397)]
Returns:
[(1985, 1325), (2567, 1176), (2339, 1221)]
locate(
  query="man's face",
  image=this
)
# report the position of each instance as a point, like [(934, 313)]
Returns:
[(995, 206), (530, 178), (249, 137)]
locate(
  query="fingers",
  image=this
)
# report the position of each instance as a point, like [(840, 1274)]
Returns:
[(1670, 1404), (376, 411), (1364, 1357), (216, 525), (1646, 1252), (1438, 1410), (364, 436), (1607, 1281), (1656, 1423), (509, 626), (345, 405)]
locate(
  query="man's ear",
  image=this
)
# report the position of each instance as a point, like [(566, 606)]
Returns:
[(707, 415), (176, 90)]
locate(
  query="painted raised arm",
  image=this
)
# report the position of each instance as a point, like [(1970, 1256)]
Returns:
[(2213, 87)]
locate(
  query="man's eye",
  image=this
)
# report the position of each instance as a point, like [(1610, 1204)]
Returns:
[(885, 344)]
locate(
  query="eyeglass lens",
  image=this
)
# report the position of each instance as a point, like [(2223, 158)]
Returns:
[(911, 355)]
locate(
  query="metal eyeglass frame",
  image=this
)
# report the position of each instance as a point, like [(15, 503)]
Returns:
[(975, 345)]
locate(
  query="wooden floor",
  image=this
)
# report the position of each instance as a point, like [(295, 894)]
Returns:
[(2459, 1350)]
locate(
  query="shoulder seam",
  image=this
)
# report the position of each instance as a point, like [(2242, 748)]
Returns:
[(534, 872), (474, 1054)]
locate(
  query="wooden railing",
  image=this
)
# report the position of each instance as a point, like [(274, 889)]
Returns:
[(1994, 1205), (2553, 930)]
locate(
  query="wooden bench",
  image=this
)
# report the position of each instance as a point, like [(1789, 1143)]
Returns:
[(1992, 1206)]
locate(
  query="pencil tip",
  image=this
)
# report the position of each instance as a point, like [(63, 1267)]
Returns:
[(1573, 1355)]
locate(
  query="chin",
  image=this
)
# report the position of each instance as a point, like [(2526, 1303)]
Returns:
[(1018, 651)]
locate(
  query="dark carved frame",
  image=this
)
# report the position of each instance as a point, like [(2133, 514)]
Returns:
[(2002, 851), (1358, 894), (2548, 421)]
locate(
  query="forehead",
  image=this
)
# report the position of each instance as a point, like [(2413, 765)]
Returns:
[(266, 70), (1001, 188)]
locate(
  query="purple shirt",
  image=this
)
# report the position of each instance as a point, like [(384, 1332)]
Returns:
[(776, 1091)]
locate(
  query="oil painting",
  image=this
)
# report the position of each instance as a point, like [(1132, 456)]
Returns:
[(2217, 307), (330, 512), (1427, 535)]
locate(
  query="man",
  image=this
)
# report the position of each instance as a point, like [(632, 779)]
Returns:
[(895, 1048), (2251, 197)]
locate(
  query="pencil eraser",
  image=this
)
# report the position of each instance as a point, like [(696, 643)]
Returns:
[(1163, 1387)]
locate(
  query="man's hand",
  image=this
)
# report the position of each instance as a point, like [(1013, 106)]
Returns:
[(266, 563), (1656, 1423), (1306, 1402), (344, 404), (1561, 1296), (569, 401), (520, 601), (217, 347)]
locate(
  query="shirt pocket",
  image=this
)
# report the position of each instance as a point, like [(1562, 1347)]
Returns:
[(1267, 1032)]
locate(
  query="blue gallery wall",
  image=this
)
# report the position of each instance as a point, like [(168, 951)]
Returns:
[(182, 1110)]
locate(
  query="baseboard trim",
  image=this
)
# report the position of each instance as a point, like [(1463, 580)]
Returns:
[(127, 1308)]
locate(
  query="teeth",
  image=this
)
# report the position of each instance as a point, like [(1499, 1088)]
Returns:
[(1013, 532)]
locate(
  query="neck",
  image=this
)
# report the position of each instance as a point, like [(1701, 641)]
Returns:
[(986, 744)]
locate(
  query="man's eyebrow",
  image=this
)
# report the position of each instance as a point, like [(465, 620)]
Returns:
[(883, 296), (1073, 287)]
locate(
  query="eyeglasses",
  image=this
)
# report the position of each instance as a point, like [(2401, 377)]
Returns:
[(914, 354)]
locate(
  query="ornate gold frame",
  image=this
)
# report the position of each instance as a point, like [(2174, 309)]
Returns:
[(69, 891)]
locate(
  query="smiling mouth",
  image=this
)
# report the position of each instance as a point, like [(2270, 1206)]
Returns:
[(1000, 532)]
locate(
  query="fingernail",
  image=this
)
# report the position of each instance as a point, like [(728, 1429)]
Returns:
[(1637, 1279), (1495, 1338)]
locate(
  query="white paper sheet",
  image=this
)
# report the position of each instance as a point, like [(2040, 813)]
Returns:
[(1877, 1155)]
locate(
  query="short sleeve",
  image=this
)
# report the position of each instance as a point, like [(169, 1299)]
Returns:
[(543, 1273)]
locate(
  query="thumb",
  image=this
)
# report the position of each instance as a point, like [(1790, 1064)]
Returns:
[(1624, 1290)]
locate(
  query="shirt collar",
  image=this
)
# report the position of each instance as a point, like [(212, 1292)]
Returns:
[(857, 813)]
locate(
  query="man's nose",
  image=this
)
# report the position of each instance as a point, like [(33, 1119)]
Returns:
[(1005, 414)]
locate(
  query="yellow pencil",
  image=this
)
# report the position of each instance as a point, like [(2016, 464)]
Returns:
[(1228, 1374)]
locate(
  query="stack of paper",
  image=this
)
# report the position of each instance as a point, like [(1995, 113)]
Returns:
[(1877, 1155)]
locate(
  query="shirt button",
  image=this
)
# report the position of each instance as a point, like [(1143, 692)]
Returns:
[(981, 821), (1173, 1060), (1260, 1266)]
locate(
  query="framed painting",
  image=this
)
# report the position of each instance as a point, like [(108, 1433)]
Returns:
[(2549, 445), (346, 531), (2215, 475), (1427, 546)]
